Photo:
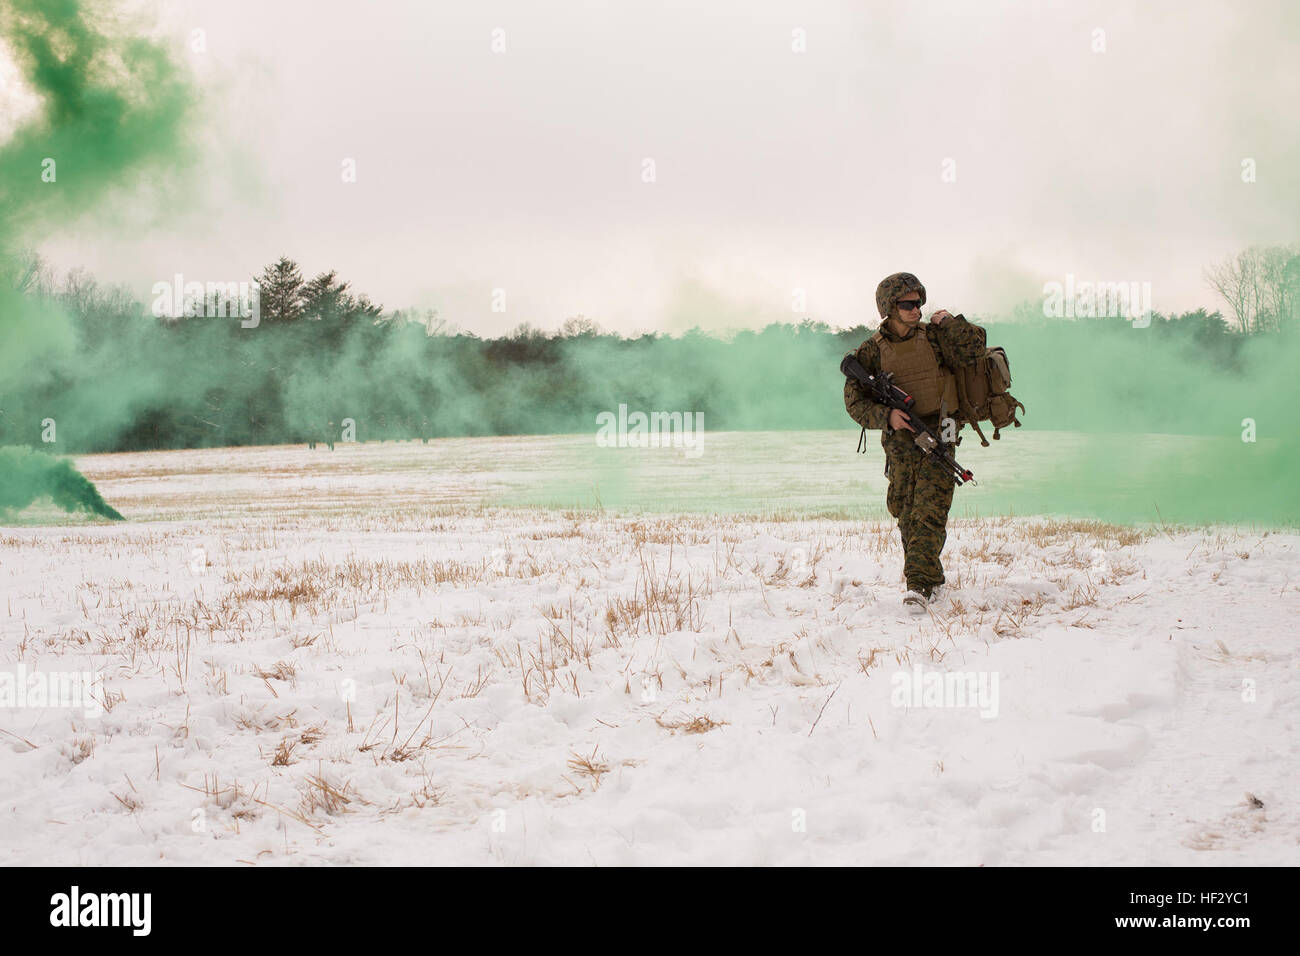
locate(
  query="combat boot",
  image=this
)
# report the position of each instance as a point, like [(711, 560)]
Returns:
[(916, 599)]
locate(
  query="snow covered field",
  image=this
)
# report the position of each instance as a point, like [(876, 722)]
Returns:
[(323, 666)]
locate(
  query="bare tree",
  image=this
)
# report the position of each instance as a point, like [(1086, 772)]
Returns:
[(33, 276), (80, 291), (1236, 280), (1261, 286), (579, 326), (1279, 279)]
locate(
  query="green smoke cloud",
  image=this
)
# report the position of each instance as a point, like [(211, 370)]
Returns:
[(1154, 423), (27, 476), (1137, 417), (112, 112)]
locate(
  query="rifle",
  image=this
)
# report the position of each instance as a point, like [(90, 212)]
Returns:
[(883, 390)]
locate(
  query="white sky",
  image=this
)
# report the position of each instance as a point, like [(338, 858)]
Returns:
[(775, 170)]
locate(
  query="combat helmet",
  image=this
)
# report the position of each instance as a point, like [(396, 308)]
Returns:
[(891, 287)]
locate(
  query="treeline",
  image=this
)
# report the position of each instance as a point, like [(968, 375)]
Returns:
[(1261, 286), (322, 358)]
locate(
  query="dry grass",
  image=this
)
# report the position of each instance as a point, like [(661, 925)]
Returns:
[(701, 724), (284, 753), (130, 800), (666, 621), (427, 795), (872, 659), (280, 670), (319, 583), (1096, 534), (319, 794), (78, 748), (1085, 595), (294, 591), (238, 802), (660, 603), (589, 766), (1012, 619)]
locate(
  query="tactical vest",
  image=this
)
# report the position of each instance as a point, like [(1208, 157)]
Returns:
[(917, 371)]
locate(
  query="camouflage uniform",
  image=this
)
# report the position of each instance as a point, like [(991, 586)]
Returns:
[(920, 491)]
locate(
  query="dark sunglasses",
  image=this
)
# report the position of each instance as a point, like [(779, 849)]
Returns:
[(907, 305)]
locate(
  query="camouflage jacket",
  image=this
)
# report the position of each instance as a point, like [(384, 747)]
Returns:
[(956, 343)]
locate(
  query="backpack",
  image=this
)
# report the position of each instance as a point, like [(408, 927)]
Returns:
[(982, 394)]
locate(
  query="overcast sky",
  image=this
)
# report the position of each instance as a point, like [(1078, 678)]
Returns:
[(775, 170)]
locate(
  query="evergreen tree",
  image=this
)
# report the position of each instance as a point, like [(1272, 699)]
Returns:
[(281, 291), (326, 298)]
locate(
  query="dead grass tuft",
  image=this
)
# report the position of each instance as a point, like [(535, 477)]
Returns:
[(694, 725), (317, 793), (589, 766)]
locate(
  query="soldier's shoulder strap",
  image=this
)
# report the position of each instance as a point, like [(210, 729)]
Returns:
[(884, 348)]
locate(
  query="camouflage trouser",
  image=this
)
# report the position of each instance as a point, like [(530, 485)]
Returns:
[(920, 494)]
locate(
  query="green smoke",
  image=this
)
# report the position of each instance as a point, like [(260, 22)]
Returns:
[(1155, 423), (113, 111), (27, 476), (1180, 421), (1128, 420)]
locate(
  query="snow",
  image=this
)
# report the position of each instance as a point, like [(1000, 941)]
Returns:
[(298, 672)]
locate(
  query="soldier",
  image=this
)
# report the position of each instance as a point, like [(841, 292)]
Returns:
[(921, 359)]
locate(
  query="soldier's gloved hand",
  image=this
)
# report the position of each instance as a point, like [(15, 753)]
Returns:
[(897, 421)]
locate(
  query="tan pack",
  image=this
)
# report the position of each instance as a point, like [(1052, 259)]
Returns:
[(983, 396)]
